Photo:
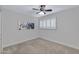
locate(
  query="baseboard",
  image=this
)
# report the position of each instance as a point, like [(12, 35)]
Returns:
[(18, 42), (62, 43), (65, 44)]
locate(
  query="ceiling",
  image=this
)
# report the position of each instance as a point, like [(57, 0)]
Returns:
[(27, 9)]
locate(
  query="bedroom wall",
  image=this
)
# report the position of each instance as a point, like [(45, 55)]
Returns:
[(10, 33), (67, 31), (0, 32)]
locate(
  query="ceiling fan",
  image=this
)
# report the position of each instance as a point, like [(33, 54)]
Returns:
[(42, 9)]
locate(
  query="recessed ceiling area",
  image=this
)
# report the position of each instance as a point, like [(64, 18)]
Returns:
[(27, 9)]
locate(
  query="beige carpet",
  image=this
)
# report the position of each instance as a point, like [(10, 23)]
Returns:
[(39, 46)]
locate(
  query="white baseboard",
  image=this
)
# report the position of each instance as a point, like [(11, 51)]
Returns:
[(63, 43), (17, 42)]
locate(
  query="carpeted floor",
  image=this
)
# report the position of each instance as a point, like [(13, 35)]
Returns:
[(39, 46)]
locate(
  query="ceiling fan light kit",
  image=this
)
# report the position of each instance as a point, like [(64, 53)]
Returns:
[(41, 13)]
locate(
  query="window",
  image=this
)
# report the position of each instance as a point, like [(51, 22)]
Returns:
[(47, 24)]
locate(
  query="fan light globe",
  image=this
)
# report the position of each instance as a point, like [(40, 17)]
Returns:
[(41, 13)]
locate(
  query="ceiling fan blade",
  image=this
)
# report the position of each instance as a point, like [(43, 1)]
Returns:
[(48, 10), (37, 12), (44, 12), (35, 9)]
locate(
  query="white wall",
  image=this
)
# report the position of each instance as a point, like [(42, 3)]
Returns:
[(67, 31), (0, 32), (10, 34)]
